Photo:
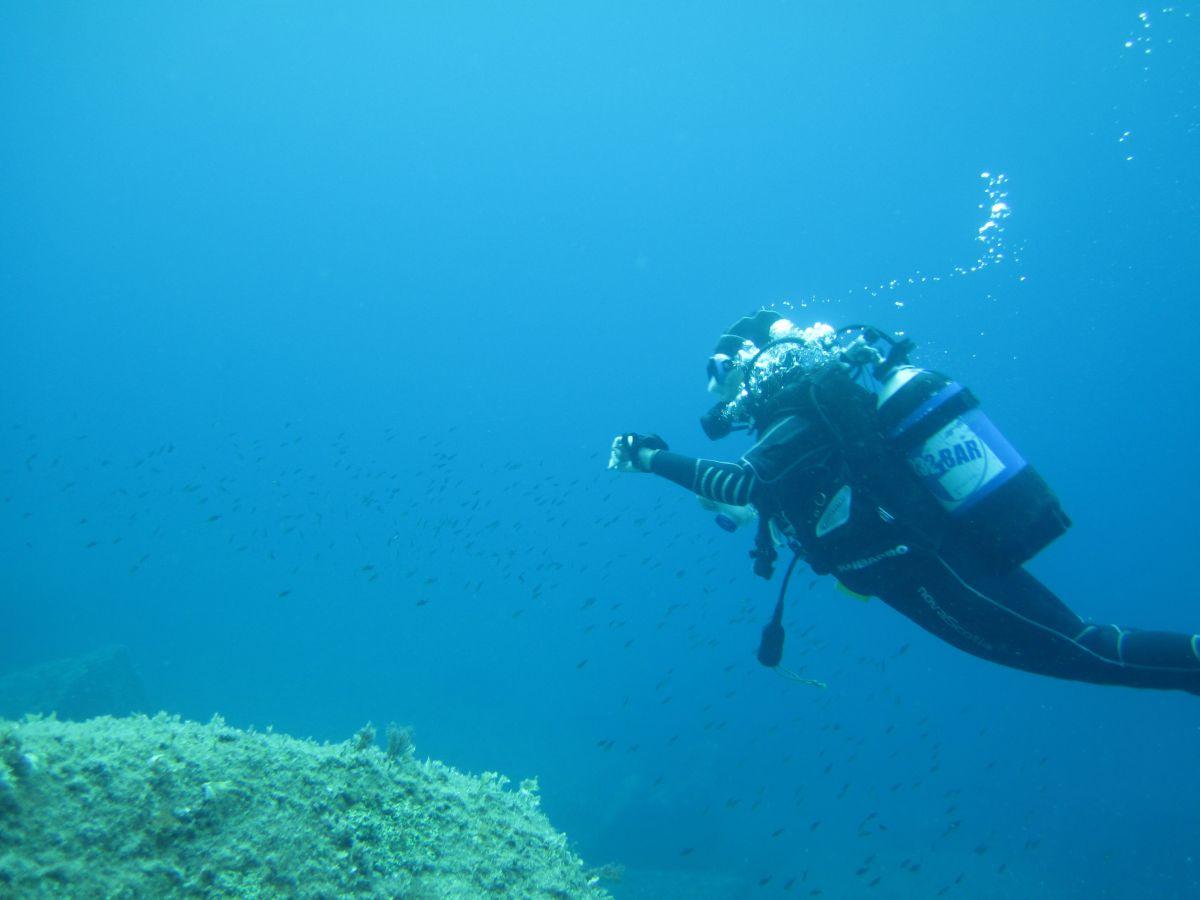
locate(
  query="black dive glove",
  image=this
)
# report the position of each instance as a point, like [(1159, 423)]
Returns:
[(626, 450)]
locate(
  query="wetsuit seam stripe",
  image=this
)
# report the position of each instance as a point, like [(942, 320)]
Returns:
[(745, 483), (723, 482), (726, 492), (1037, 624), (710, 483), (720, 483), (731, 486), (727, 486)]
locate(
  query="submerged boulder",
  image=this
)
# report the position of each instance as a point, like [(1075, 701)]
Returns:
[(136, 807), (102, 682)]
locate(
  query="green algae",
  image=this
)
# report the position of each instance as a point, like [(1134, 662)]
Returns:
[(134, 807)]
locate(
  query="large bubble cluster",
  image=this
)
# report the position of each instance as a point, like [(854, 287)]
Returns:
[(991, 232)]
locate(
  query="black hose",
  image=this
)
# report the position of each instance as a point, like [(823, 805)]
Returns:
[(770, 648)]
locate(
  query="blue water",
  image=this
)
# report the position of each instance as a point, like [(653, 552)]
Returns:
[(316, 322)]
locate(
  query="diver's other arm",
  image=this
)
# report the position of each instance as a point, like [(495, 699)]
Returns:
[(723, 482)]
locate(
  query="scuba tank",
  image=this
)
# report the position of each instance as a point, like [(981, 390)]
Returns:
[(994, 500)]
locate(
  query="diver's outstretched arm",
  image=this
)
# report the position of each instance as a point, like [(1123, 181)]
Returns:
[(723, 482), (734, 484)]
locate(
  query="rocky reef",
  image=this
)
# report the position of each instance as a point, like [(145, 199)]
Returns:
[(138, 807)]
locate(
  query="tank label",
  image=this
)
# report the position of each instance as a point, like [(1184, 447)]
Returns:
[(955, 464)]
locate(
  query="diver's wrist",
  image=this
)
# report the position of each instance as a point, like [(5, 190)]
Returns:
[(644, 456)]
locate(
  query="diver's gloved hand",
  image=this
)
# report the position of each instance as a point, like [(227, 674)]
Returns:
[(632, 452)]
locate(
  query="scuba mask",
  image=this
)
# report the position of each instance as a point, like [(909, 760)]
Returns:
[(719, 369)]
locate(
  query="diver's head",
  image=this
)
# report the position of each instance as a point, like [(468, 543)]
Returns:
[(750, 360), (735, 349)]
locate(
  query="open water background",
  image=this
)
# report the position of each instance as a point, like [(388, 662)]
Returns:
[(316, 322)]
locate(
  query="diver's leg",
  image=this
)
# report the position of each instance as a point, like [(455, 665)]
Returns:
[(1143, 649), (1032, 629)]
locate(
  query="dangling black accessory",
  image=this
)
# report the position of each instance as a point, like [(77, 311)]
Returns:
[(770, 647)]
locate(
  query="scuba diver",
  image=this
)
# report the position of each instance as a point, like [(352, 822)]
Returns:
[(892, 479)]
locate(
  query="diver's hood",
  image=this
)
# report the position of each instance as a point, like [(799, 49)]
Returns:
[(756, 329)]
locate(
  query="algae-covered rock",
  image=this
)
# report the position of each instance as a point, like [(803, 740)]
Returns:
[(137, 807)]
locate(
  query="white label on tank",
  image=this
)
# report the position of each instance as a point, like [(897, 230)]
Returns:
[(955, 463)]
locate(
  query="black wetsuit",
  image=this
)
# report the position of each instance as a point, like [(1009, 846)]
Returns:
[(854, 529)]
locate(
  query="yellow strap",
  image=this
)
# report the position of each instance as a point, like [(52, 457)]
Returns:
[(849, 593)]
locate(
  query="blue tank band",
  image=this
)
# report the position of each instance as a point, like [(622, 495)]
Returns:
[(949, 391)]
